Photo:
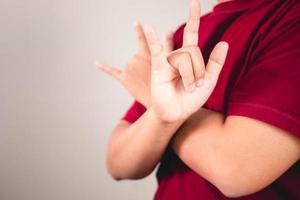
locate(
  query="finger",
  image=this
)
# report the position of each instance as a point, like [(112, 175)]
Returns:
[(158, 58), (198, 63), (196, 58), (168, 42), (190, 35), (217, 60), (112, 71), (185, 69), (173, 58), (143, 46)]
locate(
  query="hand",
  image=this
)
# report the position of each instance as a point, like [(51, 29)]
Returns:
[(135, 77), (176, 90)]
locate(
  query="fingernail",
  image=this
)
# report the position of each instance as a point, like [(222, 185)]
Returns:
[(192, 87), (136, 23), (199, 82)]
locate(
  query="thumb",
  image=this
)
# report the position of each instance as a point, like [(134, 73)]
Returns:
[(216, 60), (112, 71)]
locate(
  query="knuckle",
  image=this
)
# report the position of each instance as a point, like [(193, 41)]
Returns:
[(195, 48), (216, 61), (182, 57)]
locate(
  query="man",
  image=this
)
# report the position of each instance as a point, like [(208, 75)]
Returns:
[(221, 123)]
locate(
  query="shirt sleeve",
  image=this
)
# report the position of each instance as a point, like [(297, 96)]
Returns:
[(269, 91), (134, 112)]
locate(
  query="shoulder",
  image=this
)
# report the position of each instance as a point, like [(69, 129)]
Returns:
[(281, 33)]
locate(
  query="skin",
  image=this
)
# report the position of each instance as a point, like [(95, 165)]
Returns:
[(138, 67), (222, 1), (215, 146)]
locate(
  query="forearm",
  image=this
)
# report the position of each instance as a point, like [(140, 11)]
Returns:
[(205, 145), (133, 152), (238, 155), (196, 143)]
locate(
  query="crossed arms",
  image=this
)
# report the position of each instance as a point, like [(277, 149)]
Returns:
[(238, 155)]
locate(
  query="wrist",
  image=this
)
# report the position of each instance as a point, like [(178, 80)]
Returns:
[(155, 117)]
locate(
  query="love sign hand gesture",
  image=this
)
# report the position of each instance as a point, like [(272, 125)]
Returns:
[(135, 76), (180, 83)]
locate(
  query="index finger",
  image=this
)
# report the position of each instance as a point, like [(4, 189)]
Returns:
[(190, 35)]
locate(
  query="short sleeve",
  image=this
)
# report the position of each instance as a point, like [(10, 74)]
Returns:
[(269, 91), (134, 112)]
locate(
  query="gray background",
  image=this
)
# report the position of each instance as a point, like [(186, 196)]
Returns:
[(56, 108)]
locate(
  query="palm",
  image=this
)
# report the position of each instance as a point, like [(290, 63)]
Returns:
[(136, 78), (169, 95)]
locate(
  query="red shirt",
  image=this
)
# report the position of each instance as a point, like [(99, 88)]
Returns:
[(260, 80)]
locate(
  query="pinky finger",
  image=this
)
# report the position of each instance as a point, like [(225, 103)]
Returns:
[(112, 71)]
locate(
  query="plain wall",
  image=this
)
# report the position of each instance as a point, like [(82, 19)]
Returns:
[(56, 108)]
